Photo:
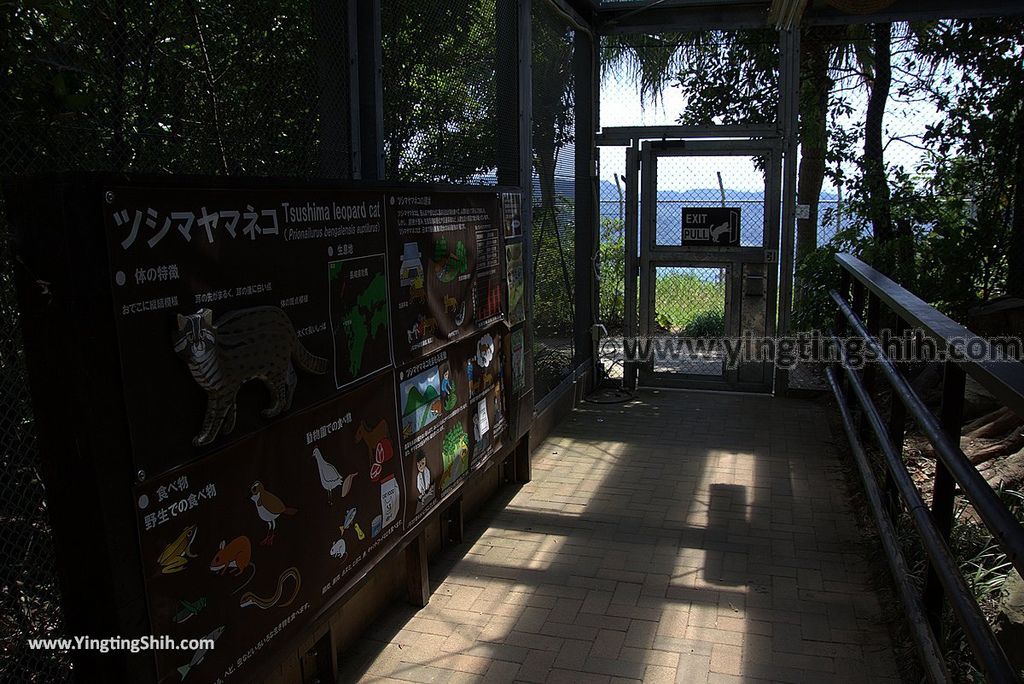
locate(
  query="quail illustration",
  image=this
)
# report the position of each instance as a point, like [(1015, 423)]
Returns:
[(270, 509), (330, 478)]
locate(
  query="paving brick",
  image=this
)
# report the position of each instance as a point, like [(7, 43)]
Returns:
[(573, 654), (462, 662), (537, 666), (557, 676), (693, 668), (726, 659), (608, 643), (657, 544), (531, 619), (659, 674), (502, 672)]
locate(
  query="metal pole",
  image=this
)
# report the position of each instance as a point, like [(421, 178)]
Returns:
[(630, 246), (369, 89), (583, 65), (789, 81), (951, 415)]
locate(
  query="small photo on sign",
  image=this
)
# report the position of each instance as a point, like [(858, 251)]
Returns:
[(511, 213), (518, 362), (421, 399), (516, 291)]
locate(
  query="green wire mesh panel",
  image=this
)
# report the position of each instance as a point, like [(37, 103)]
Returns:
[(710, 181), (690, 302)]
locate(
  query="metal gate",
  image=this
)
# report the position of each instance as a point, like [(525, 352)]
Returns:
[(708, 266)]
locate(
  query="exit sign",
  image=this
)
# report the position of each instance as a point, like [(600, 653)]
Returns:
[(711, 226)]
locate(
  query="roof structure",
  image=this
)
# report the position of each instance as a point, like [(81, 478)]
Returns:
[(655, 16)]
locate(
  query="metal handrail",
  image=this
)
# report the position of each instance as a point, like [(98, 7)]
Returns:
[(983, 643), (1004, 380), (995, 515), (924, 638)]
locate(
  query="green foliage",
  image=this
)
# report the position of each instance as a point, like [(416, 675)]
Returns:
[(171, 87), (439, 89), (984, 566), (816, 274), (685, 302), (707, 323), (612, 260), (554, 235), (554, 228)]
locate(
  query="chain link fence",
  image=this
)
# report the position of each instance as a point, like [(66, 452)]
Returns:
[(732, 78), (440, 90), (554, 229), (441, 115), (232, 88), (224, 88), (691, 301)]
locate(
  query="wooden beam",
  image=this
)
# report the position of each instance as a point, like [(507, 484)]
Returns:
[(417, 577)]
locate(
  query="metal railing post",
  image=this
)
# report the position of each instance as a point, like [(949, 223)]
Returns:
[(945, 583), (857, 304), (897, 426), (874, 325), (944, 487), (841, 328)]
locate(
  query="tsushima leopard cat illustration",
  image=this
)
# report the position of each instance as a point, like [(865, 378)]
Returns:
[(249, 344)]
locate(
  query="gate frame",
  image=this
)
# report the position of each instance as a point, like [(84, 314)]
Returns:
[(782, 133), (653, 255)]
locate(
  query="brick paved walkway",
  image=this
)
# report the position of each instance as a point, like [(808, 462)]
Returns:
[(680, 537)]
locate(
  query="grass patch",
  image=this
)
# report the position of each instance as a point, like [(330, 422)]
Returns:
[(688, 303)]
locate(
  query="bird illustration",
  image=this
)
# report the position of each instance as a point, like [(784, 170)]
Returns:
[(330, 478), (270, 509)]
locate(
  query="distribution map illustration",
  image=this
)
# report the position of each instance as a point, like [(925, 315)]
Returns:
[(359, 317)]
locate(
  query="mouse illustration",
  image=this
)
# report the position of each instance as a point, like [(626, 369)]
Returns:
[(234, 556)]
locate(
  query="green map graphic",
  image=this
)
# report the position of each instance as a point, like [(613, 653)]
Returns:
[(364, 321)]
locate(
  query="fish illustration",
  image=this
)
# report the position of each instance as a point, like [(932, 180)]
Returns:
[(200, 653)]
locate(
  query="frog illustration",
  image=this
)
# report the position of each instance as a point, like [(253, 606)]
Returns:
[(177, 553)]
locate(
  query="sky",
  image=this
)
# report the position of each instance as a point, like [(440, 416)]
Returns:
[(621, 106)]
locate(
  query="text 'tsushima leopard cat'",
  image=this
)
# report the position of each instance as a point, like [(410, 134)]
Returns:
[(248, 344)]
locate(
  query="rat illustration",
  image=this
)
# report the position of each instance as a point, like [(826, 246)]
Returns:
[(235, 556)]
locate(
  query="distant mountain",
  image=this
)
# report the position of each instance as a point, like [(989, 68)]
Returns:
[(417, 399), (610, 193)]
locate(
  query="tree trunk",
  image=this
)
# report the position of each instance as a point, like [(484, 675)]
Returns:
[(875, 182), (815, 85), (1015, 256)]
